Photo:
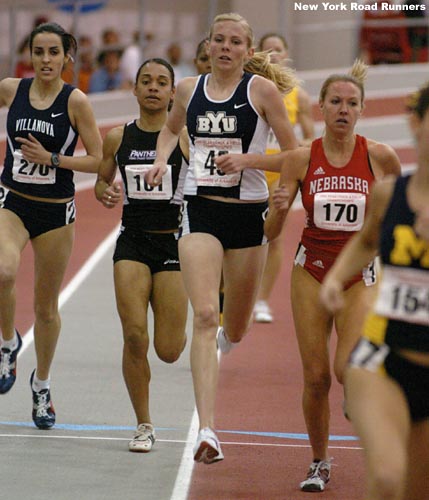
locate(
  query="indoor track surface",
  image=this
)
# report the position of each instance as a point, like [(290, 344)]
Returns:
[(258, 415)]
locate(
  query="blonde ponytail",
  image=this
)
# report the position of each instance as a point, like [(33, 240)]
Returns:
[(359, 71), (283, 77)]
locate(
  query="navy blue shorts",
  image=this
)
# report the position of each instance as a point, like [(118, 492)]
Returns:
[(38, 217), (235, 225), (159, 251), (414, 380), (411, 377)]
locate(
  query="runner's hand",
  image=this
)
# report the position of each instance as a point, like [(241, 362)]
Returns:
[(421, 224), (154, 176), (112, 195), (33, 151), (230, 163), (280, 198), (332, 294)]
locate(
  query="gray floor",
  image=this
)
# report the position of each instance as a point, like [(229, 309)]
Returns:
[(85, 457)]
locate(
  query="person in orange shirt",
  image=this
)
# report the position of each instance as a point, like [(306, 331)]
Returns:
[(298, 107), (24, 66), (86, 65)]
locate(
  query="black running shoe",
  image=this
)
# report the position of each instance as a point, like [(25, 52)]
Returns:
[(43, 409), (8, 366)]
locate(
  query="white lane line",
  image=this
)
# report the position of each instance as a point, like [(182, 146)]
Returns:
[(174, 441), (77, 280), (184, 474)]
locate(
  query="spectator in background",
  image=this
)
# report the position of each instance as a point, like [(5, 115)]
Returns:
[(417, 35), (24, 66), (110, 39), (86, 63), (387, 41), (132, 57), (174, 56), (108, 76), (40, 20), (85, 67)]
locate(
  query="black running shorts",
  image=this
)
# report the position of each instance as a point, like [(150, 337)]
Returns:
[(235, 225)]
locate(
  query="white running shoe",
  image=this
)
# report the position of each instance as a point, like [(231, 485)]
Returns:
[(262, 312), (144, 439), (318, 476), (223, 342), (207, 448)]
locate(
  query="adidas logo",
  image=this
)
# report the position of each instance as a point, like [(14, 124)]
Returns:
[(319, 171), (318, 263)]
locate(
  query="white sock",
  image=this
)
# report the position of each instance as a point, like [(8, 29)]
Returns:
[(227, 338), (10, 344), (38, 385)]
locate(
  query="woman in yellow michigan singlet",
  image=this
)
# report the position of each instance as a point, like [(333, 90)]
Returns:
[(298, 107)]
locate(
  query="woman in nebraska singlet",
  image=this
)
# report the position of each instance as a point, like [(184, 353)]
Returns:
[(387, 377), (334, 176)]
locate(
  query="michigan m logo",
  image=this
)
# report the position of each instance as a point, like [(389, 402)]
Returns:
[(408, 248)]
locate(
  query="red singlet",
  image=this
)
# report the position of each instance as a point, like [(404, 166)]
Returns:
[(335, 201)]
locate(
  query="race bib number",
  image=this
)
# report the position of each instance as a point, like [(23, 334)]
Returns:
[(31, 173), (404, 295), (138, 189), (339, 211), (70, 212), (3, 195), (206, 151)]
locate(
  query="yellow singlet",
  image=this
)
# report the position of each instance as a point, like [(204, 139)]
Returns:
[(290, 101)]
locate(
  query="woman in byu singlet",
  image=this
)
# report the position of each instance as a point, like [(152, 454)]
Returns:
[(45, 118), (227, 111), (334, 176), (387, 379), (146, 261)]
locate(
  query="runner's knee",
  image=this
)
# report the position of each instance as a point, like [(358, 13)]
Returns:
[(136, 340), (206, 316), (170, 351), (317, 381)]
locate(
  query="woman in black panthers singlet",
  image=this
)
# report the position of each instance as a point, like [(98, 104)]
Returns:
[(146, 261), (45, 118)]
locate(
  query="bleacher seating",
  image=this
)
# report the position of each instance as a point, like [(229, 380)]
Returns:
[(384, 44)]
